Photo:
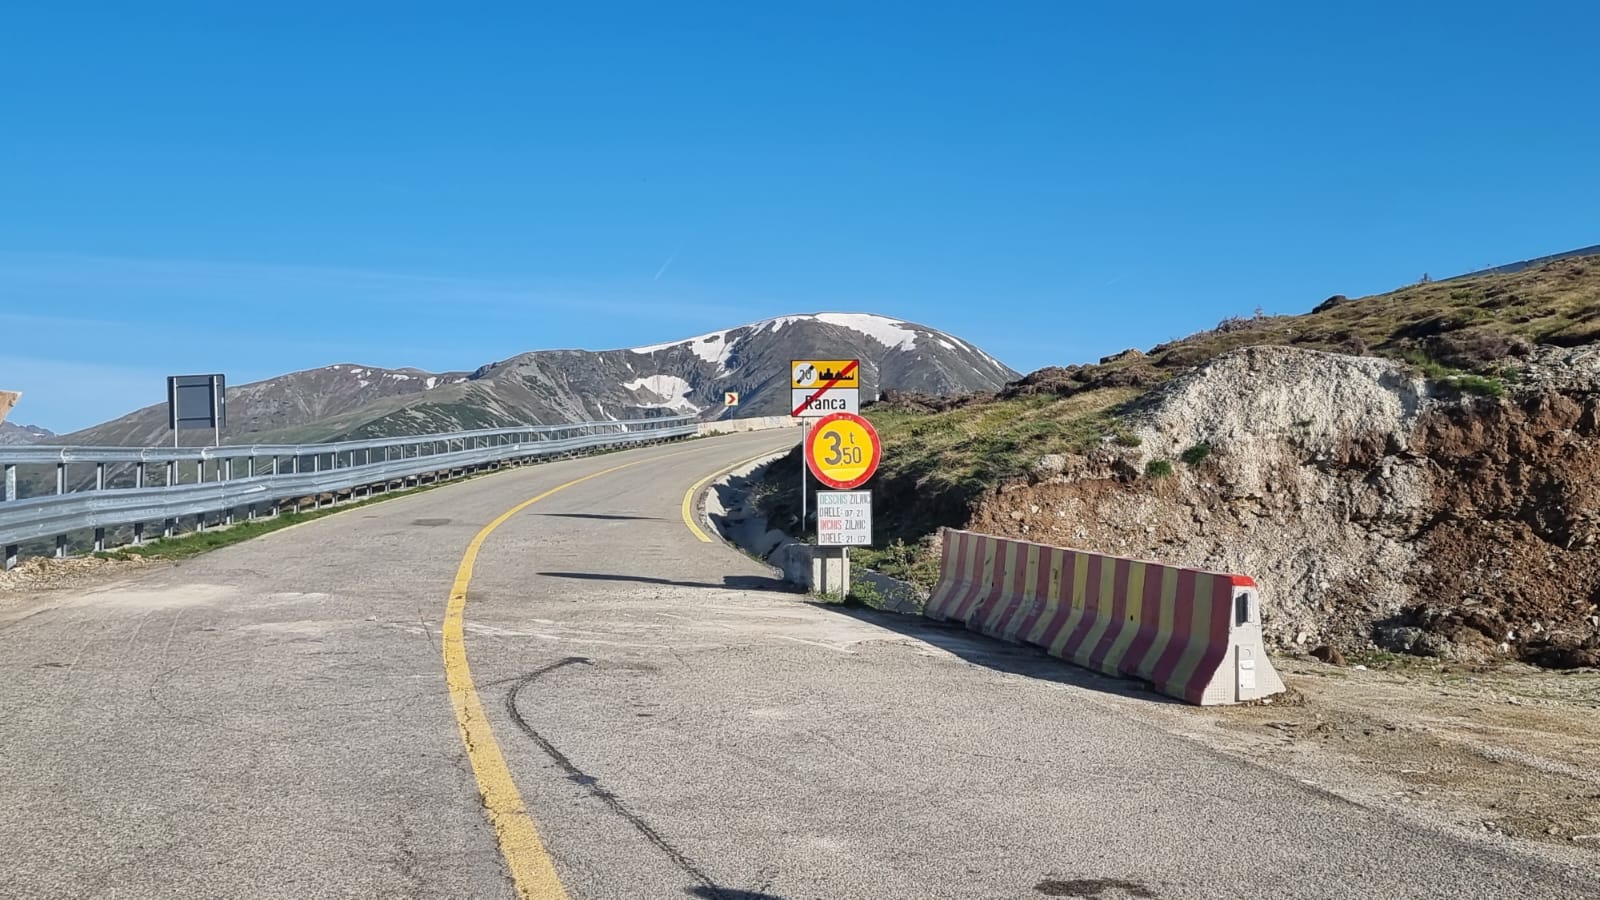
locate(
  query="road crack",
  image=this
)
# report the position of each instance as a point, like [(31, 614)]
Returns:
[(709, 888)]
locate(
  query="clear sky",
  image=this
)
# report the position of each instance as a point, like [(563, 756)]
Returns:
[(262, 187)]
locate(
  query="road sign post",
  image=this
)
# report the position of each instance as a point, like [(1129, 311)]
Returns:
[(843, 451), (197, 401), (818, 387), (805, 426)]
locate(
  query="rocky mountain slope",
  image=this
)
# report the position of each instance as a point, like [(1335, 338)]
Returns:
[(689, 376), (15, 433), (1415, 471)]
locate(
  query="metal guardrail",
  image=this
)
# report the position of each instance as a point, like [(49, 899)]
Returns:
[(272, 474)]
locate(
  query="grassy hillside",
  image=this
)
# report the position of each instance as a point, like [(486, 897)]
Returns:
[(1481, 325), (1473, 333)]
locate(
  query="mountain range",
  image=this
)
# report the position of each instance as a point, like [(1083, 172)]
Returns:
[(690, 376), (14, 433)]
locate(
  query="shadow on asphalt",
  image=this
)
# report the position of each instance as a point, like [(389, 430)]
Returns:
[(992, 653), (977, 649), (729, 582), (722, 893)]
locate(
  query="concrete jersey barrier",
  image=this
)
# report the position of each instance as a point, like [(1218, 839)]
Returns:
[(1193, 635), (741, 426)]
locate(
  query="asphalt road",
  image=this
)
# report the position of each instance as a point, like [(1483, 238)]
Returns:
[(272, 720)]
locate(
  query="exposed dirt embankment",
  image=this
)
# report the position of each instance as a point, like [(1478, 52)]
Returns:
[(1373, 509)]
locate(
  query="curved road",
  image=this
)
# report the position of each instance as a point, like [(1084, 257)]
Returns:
[(273, 721)]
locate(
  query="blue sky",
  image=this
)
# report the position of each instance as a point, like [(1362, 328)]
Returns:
[(259, 188)]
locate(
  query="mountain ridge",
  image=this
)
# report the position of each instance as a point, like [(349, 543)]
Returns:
[(688, 376), (17, 433)]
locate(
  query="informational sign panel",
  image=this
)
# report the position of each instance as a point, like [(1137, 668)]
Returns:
[(8, 399), (197, 401), (844, 518), (836, 373), (843, 451), (807, 405), (820, 387)]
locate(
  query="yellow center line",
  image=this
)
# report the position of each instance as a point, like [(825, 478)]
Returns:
[(533, 872), (688, 498)]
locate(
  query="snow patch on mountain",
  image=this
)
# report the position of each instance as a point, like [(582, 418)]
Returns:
[(670, 391), (891, 333), (717, 346)]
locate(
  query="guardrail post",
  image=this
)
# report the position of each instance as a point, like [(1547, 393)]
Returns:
[(138, 474), (169, 527), (61, 546), (172, 471), (11, 557), (11, 482), (61, 478), (99, 540), (99, 476), (138, 533)]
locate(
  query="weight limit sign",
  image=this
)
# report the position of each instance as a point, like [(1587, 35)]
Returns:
[(843, 451)]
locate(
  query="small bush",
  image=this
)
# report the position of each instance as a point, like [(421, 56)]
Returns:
[(1158, 468), (865, 593), (1478, 384), (1197, 454), (1429, 367)]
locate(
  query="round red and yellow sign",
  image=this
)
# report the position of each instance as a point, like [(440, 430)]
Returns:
[(843, 451)]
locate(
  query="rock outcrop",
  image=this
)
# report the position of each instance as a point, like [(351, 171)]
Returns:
[(1375, 508)]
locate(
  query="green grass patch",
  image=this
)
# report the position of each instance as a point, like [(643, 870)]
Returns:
[(1158, 468), (1197, 454), (1427, 366), (991, 442), (917, 563), (1479, 385)]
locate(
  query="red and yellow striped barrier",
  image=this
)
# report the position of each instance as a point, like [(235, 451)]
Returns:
[(1193, 635)]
